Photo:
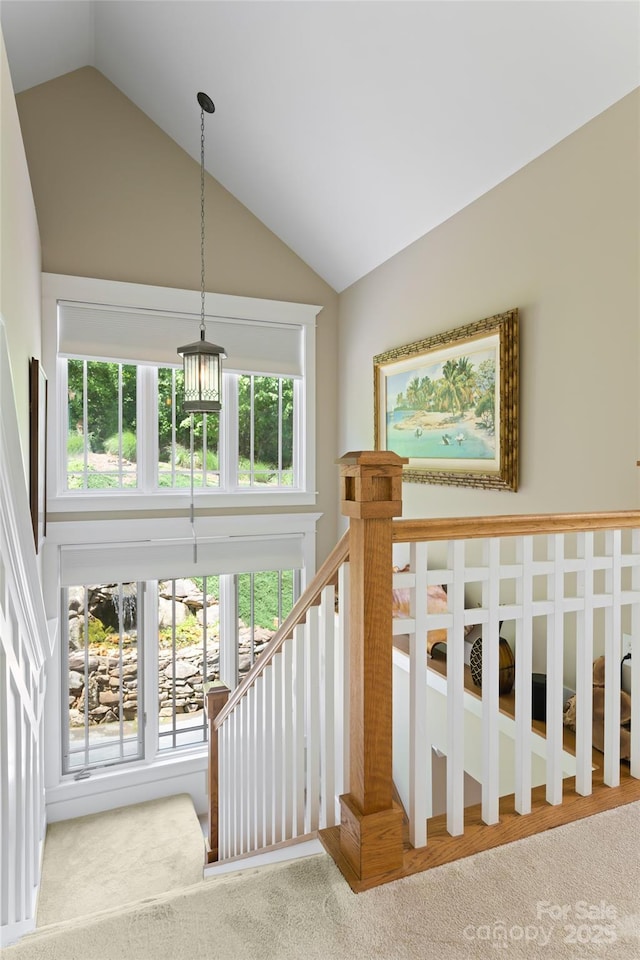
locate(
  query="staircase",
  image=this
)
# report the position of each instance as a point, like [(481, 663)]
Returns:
[(309, 740)]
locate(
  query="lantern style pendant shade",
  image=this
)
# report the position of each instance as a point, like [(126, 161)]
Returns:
[(202, 375)]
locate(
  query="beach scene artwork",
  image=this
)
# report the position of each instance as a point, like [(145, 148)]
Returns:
[(444, 406)]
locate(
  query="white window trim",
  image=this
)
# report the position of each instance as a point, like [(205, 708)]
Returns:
[(56, 287)]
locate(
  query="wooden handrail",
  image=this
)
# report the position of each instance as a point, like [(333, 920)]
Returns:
[(311, 595), (469, 528)]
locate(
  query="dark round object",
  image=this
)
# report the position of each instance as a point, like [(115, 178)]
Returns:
[(206, 103), (506, 666)]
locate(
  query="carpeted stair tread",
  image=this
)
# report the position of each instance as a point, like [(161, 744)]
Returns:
[(105, 860)]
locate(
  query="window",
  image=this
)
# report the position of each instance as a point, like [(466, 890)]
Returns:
[(103, 672), (175, 435), (266, 417), (120, 431), (101, 425), (131, 689), (115, 443), (111, 655)]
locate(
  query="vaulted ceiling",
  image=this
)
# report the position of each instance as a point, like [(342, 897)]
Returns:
[(349, 128)]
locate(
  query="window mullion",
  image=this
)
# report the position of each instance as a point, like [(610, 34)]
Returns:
[(85, 426), (60, 450), (173, 428), (204, 450), (299, 480), (120, 451), (280, 431), (228, 631), (252, 429), (151, 686), (228, 434), (147, 429)]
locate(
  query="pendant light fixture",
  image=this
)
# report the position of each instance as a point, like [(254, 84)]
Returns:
[(202, 361)]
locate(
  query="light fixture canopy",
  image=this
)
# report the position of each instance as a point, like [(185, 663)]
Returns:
[(202, 361)]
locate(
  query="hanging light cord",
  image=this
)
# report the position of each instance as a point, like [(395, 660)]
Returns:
[(202, 326), (192, 512)]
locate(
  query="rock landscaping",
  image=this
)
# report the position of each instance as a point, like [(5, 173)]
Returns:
[(107, 685)]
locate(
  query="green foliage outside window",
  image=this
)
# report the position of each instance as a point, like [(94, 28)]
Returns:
[(265, 416), (102, 400), (265, 601), (265, 597), (270, 440)]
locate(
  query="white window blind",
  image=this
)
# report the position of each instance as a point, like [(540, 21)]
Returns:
[(136, 335), (156, 560)]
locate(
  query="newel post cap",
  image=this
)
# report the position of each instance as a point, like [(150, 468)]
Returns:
[(367, 458), (371, 484)]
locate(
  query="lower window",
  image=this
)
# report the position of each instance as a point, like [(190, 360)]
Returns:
[(110, 647), (103, 677)]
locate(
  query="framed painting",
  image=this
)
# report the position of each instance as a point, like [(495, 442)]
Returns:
[(450, 404), (38, 450)]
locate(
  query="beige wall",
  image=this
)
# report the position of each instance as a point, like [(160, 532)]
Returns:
[(19, 254), (559, 240), (117, 199)]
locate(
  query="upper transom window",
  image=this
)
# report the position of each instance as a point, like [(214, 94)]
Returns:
[(120, 430)]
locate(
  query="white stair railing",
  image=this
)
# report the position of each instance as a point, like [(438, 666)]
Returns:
[(566, 594), (563, 588), (282, 748), (24, 645)]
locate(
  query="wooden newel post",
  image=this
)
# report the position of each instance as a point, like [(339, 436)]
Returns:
[(370, 823), (215, 700)]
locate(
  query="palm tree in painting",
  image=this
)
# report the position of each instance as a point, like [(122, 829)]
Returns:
[(456, 385), (419, 393)]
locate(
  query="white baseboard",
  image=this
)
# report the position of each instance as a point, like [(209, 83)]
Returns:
[(293, 851), (12, 932)]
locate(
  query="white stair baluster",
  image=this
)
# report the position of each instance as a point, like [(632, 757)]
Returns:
[(277, 747), (259, 762), (490, 681), (555, 671), (327, 705), (312, 675), (233, 804), (613, 656), (287, 741), (245, 788), (419, 744), (455, 693), (252, 792), (299, 726), (584, 669), (223, 783), (635, 657), (268, 755), (524, 662)]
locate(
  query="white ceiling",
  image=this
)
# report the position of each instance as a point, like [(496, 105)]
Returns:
[(349, 128)]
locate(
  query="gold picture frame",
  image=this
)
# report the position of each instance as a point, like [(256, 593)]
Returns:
[(450, 404)]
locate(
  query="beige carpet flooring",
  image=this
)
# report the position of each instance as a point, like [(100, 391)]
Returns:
[(572, 893), (107, 860)]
